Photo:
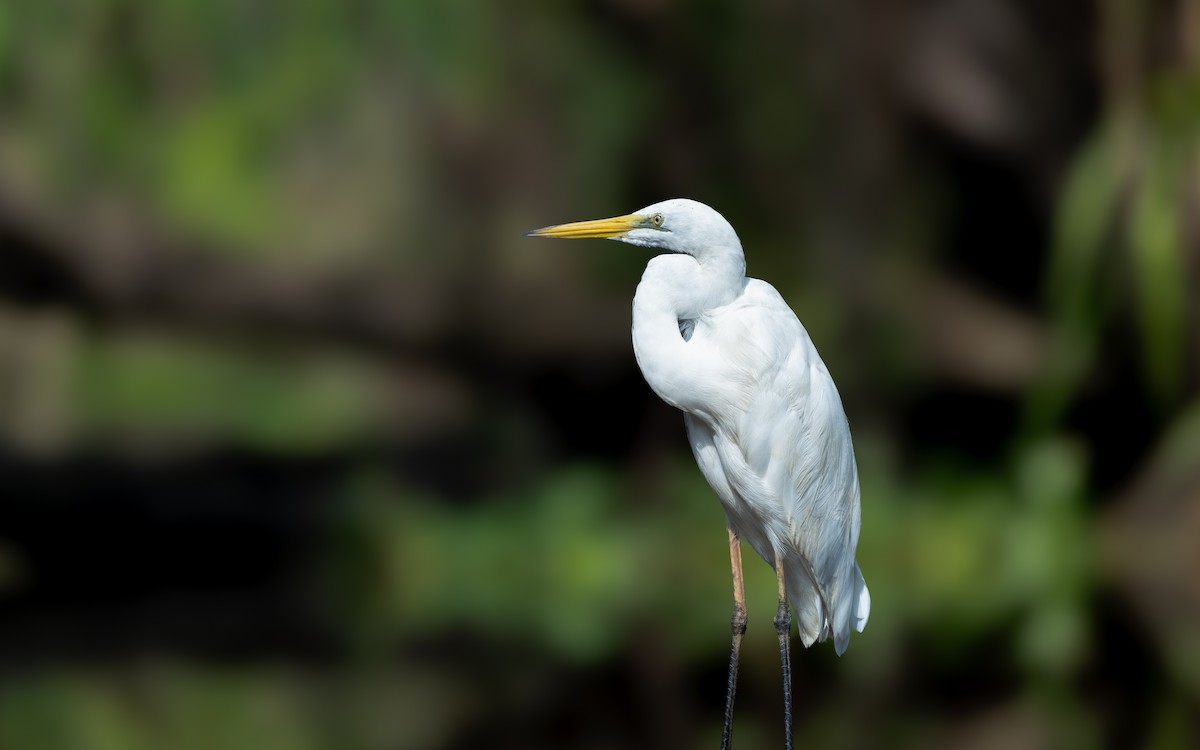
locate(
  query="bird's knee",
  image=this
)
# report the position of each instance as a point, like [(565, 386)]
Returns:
[(738, 620), (783, 618)]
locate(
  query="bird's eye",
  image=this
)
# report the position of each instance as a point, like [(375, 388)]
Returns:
[(657, 220)]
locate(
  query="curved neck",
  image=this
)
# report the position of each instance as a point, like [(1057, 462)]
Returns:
[(724, 272), (675, 288), (687, 286)]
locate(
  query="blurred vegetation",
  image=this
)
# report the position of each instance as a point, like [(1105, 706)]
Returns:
[(302, 445)]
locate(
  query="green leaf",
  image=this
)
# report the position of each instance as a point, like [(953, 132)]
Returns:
[(1155, 241), (1082, 230)]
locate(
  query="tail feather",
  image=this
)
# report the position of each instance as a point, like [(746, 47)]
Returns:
[(862, 607), (817, 617), (809, 607)]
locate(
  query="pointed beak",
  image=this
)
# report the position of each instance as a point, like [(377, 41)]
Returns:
[(616, 227)]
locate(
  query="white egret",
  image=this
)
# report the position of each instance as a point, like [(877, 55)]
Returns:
[(763, 416)]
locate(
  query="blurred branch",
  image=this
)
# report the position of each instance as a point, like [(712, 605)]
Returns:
[(1149, 543), (975, 339), (119, 265), (113, 262)]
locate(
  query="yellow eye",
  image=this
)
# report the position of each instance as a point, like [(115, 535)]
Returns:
[(657, 220)]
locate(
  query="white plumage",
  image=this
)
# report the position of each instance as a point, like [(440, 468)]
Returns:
[(763, 416)]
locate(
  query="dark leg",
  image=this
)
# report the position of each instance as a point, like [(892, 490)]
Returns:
[(738, 624), (783, 628)]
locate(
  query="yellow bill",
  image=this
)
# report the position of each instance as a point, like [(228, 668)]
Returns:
[(617, 226)]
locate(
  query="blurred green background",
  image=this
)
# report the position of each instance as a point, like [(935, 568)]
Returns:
[(303, 445)]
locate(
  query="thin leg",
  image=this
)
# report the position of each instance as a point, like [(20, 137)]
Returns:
[(738, 624), (783, 628)]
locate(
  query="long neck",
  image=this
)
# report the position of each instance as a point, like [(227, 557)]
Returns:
[(688, 285), (676, 288)]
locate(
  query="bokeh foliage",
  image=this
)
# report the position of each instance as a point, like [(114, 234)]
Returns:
[(302, 445)]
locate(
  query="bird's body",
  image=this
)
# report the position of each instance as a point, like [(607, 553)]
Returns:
[(765, 423), (763, 416)]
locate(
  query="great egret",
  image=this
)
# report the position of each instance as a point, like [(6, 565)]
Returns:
[(763, 417)]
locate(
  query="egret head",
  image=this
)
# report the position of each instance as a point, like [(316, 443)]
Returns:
[(678, 225)]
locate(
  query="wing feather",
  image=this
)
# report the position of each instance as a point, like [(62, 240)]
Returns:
[(775, 445)]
